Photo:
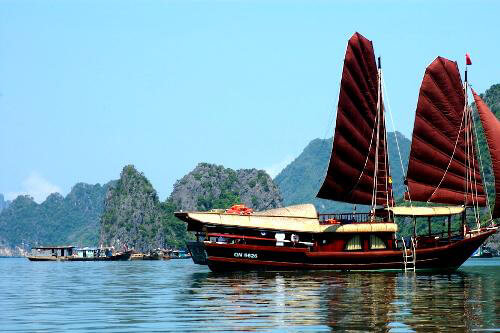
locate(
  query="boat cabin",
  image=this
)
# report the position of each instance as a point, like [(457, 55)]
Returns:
[(439, 225), (53, 251), (297, 226), (93, 252)]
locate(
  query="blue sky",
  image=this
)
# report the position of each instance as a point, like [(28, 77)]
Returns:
[(87, 87)]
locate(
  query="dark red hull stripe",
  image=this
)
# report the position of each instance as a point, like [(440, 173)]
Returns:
[(257, 247), (249, 257)]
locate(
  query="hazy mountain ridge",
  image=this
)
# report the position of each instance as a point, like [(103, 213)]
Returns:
[(58, 220), (299, 182), (3, 203)]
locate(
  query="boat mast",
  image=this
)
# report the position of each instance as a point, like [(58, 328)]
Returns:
[(380, 125), (377, 140), (467, 145)]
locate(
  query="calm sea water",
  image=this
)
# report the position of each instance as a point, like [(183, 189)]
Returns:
[(179, 296)]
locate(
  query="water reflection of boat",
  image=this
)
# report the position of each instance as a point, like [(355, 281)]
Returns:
[(334, 301), (443, 169)]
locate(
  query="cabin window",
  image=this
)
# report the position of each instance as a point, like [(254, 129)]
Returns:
[(376, 243), (353, 244)]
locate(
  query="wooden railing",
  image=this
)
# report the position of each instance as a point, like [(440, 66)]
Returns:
[(344, 218), (243, 239)]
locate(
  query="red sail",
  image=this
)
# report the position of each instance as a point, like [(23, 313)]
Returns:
[(442, 168), (491, 126), (350, 175)]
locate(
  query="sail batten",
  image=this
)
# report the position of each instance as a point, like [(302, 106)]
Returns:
[(491, 127), (455, 168), (441, 165), (354, 168)]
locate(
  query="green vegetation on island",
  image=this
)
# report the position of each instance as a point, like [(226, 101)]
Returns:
[(300, 181), (211, 186), (58, 220), (134, 216)]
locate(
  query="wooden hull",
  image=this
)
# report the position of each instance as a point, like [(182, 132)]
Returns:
[(153, 257), (46, 258), (241, 257), (117, 257)]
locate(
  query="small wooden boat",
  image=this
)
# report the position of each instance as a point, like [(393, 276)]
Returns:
[(99, 254), (153, 255), (51, 253), (137, 256), (179, 254), (71, 253)]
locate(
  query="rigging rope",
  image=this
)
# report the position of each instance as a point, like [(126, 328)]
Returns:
[(467, 152), (328, 128), (367, 157), (397, 141), (469, 171), (476, 207), (386, 161), (451, 159), (331, 117), (482, 168), (386, 150)]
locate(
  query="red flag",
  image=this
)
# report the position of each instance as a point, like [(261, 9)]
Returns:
[(467, 59)]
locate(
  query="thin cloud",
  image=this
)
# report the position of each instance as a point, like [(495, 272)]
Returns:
[(274, 169), (36, 186)]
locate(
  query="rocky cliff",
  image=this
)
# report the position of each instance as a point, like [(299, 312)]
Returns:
[(211, 186), (135, 218)]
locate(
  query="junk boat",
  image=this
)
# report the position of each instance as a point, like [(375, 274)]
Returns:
[(444, 173)]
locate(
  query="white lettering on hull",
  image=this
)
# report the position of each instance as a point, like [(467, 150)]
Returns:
[(245, 255)]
